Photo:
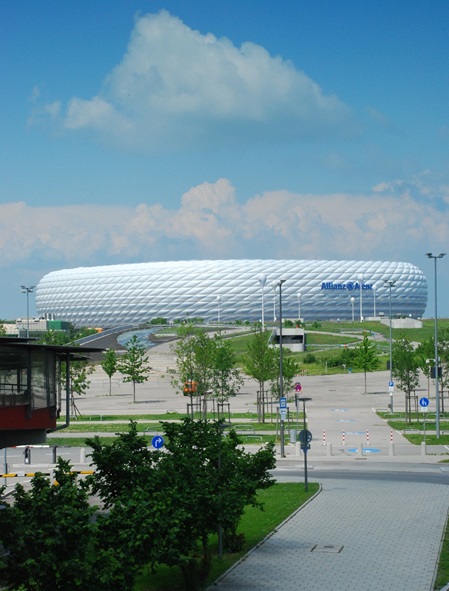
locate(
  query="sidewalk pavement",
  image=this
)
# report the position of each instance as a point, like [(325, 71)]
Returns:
[(361, 535)]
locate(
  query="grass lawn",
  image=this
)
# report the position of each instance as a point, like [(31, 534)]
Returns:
[(280, 501)]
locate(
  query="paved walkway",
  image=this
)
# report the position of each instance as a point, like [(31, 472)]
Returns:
[(367, 536)]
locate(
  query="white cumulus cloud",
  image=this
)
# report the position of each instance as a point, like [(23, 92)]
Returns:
[(176, 87)]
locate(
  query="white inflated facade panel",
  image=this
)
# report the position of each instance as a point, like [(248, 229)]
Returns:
[(114, 295)]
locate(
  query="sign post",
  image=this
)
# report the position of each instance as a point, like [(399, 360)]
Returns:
[(424, 404), (305, 437)]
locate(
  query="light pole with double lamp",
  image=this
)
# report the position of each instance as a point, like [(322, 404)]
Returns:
[(390, 283), (262, 281), (437, 394), (281, 374), (27, 289)]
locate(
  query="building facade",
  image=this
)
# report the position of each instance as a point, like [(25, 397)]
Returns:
[(230, 290)]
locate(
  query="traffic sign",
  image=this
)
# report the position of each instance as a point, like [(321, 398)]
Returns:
[(283, 413), (305, 436), (424, 402), (157, 441), (282, 402), (298, 387), (391, 384)]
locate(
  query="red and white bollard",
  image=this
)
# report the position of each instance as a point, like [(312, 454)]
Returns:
[(367, 438), (391, 436), (324, 437), (343, 438)]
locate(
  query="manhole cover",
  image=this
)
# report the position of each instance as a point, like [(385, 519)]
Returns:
[(327, 549)]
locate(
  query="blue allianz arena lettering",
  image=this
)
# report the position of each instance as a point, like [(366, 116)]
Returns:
[(349, 286)]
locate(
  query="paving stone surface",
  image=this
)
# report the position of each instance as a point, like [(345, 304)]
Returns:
[(366, 536)]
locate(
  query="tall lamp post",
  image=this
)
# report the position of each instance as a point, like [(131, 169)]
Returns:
[(262, 281), (361, 296), (27, 289), (218, 308), (374, 295), (437, 394), (281, 374), (274, 285), (390, 283), (299, 305), (352, 305)]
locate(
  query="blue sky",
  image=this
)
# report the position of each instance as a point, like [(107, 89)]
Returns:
[(143, 130)]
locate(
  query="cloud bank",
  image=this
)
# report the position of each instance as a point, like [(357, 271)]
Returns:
[(211, 223), (176, 87)]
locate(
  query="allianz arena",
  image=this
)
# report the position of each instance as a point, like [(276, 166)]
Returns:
[(230, 290)]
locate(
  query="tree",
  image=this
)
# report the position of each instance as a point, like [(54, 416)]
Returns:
[(48, 534), (405, 370), (194, 354), (109, 364), (366, 356), (80, 371), (226, 379), (290, 369), (133, 364), (163, 507), (260, 363)]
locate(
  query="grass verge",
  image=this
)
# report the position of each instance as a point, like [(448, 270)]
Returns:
[(280, 501)]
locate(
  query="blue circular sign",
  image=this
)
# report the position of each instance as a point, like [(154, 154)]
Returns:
[(424, 402), (157, 441)]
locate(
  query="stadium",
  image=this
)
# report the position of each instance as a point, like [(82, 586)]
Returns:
[(231, 290)]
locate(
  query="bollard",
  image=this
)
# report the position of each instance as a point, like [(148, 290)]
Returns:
[(27, 455), (324, 437), (343, 438), (360, 451), (329, 449), (423, 448), (367, 438), (55, 454), (297, 448), (82, 455), (391, 449)]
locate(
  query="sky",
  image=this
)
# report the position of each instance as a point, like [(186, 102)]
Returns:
[(145, 130)]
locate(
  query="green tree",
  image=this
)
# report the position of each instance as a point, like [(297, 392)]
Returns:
[(366, 356), (405, 370), (260, 363), (48, 535), (163, 507), (213, 480), (133, 365), (194, 354), (226, 379), (109, 365), (80, 371), (290, 369)]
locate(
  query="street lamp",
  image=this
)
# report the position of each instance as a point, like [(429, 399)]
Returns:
[(299, 305), (352, 304), (27, 290), (437, 394), (218, 306), (361, 296), (390, 283), (262, 281), (274, 286), (281, 375), (374, 295)]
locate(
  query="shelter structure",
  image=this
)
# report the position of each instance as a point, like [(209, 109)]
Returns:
[(34, 383)]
